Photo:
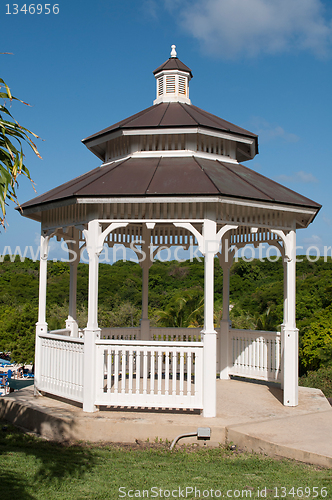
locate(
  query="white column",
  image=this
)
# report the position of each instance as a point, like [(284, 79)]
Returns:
[(209, 333), (41, 325), (290, 354), (225, 324), (91, 332), (74, 257), (282, 332), (145, 265)]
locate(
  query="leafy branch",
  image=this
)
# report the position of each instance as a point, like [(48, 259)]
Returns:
[(12, 138)]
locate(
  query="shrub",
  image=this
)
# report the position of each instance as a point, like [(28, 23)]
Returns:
[(320, 379)]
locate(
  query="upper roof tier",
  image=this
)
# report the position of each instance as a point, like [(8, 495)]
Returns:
[(173, 119)]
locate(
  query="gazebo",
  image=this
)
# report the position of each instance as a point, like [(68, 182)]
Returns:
[(170, 177)]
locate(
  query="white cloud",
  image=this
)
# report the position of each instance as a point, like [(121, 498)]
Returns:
[(267, 131), (327, 220), (232, 28), (150, 8), (314, 239), (301, 176)]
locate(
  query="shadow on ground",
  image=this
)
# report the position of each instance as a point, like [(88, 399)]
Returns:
[(28, 463)]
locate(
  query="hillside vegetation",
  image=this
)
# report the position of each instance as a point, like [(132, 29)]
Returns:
[(175, 299)]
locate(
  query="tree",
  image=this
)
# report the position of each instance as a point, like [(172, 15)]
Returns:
[(12, 137), (185, 309)]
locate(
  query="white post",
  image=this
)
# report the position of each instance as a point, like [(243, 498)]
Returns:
[(282, 333), (209, 333), (91, 332), (225, 324), (41, 325), (290, 354), (73, 247), (145, 265)]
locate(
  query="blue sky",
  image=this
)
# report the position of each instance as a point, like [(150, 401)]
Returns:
[(265, 66)]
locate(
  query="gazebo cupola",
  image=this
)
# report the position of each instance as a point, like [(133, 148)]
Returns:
[(173, 80)]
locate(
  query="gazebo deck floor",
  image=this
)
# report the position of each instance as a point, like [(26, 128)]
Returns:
[(251, 415)]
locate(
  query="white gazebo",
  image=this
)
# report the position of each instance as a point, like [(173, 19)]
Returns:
[(170, 177)]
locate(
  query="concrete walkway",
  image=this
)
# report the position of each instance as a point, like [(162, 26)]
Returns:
[(250, 415)]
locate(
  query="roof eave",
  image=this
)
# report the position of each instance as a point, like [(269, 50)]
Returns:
[(102, 139), (34, 212)]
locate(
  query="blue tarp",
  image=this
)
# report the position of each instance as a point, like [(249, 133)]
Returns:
[(5, 362)]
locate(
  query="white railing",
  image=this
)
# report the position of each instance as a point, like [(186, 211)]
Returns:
[(149, 374), (130, 333), (157, 334), (61, 366), (62, 331), (255, 354), (163, 373), (176, 334)]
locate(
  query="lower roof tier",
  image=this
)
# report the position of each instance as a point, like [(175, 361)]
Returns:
[(186, 176)]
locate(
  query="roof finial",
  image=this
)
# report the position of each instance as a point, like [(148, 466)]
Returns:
[(173, 53)]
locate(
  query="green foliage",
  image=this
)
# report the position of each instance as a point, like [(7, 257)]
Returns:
[(320, 379), (125, 315), (316, 343), (185, 309), (267, 321), (12, 137), (17, 332)]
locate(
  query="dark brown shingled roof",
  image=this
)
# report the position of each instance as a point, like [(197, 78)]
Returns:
[(169, 176), (173, 114), (173, 63)]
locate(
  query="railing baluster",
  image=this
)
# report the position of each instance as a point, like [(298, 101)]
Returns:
[(261, 354), (109, 354), (181, 371), (145, 370), (123, 371), (130, 381), (167, 360), (277, 369), (138, 370), (116, 370), (174, 370), (160, 369), (189, 373), (152, 370)]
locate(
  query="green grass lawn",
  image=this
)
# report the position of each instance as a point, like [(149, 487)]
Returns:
[(31, 468)]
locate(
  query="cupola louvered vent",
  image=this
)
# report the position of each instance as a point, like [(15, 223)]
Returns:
[(182, 85), (160, 86), (170, 84)]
